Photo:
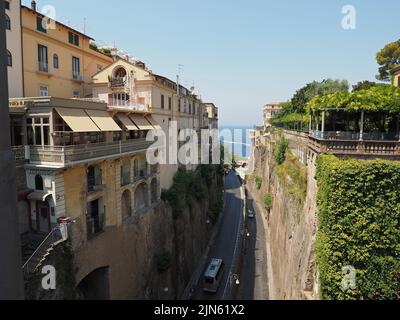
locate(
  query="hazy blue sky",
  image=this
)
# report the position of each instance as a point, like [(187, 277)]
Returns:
[(241, 54)]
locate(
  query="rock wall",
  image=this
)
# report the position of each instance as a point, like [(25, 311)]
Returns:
[(292, 227)]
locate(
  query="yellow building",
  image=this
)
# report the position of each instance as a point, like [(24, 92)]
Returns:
[(396, 76), (58, 60)]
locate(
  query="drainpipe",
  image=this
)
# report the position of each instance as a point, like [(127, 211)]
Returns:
[(11, 283)]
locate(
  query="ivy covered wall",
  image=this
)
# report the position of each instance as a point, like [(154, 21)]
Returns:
[(359, 226)]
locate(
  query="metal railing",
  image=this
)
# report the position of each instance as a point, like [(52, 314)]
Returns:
[(43, 67), (118, 82), (19, 152), (71, 154), (127, 105), (53, 238)]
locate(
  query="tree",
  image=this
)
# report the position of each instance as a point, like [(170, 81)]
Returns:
[(388, 58), (364, 85)]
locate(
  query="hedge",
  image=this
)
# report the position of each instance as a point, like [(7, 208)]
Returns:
[(359, 226)]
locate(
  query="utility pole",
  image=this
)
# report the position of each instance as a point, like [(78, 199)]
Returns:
[(11, 283)]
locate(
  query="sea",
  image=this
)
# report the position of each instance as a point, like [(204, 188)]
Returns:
[(236, 139)]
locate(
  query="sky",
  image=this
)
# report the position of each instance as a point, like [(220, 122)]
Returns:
[(241, 54)]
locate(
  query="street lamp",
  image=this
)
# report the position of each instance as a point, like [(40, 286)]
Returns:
[(234, 278)]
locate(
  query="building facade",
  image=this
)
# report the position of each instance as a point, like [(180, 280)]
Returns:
[(58, 60), (14, 48), (211, 113), (82, 163), (270, 111), (131, 85)]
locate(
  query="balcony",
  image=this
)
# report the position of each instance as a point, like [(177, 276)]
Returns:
[(66, 156), (43, 68), (126, 105), (77, 77), (118, 82)]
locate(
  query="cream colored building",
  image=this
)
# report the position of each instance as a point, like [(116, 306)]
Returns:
[(14, 48), (270, 111), (132, 86), (58, 60), (396, 76), (212, 115)]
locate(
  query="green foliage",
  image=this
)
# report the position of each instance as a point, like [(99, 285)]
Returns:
[(217, 207), (359, 226), (259, 182), (186, 183), (388, 58), (164, 262), (292, 177), (280, 151), (364, 85), (294, 112), (382, 97), (268, 201)]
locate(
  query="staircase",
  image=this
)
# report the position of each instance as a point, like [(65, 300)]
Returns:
[(37, 252)]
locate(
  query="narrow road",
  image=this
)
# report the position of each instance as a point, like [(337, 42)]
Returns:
[(225, 241), (254, 276)]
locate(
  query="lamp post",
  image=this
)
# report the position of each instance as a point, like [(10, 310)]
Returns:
[(11, 283)]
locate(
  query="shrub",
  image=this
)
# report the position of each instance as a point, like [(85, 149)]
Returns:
[(280, 151), (259, 182), (268, 201)]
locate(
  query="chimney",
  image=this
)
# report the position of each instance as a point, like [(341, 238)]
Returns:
[(33, 5)]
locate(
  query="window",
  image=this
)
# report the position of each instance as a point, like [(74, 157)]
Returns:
[(43, 59), (44, 91), (179, 105), (162, 102), (76, 94), (8, 22), (41, 25), (76, 69), (55, 61), (9, 59), (39, 183), (73, 39), (94, 177), (170, 103), (7, 5), (38, 131)]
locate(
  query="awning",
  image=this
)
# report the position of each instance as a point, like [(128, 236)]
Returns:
[(103, 120), (38, 196), (154, 123), (77, 120), (127, 122), (141, 122)]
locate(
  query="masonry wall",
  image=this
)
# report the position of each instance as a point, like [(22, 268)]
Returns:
[(291, 227)]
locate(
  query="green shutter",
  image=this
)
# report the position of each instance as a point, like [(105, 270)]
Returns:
[(70, 37), (39, 25)]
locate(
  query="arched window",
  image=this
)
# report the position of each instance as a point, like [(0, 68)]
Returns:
[(55, 61), (141, 198), (126, 204), (120, 73), (154, 191), (9, 59), (39, 183), (8, 22)]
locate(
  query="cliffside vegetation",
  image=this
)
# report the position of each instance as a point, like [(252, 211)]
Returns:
[(359, 226)]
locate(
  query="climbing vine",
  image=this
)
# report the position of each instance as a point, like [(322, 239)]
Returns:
[(359, 226)]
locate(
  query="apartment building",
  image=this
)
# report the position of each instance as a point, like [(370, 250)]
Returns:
[(14, 48), (211, 113), (87, 164), (131, 86), (58, 60)]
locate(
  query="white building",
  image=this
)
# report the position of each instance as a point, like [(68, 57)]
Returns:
[(14, 48)]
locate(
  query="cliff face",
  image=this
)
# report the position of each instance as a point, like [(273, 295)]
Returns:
[(292, 221), (151, 256)]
